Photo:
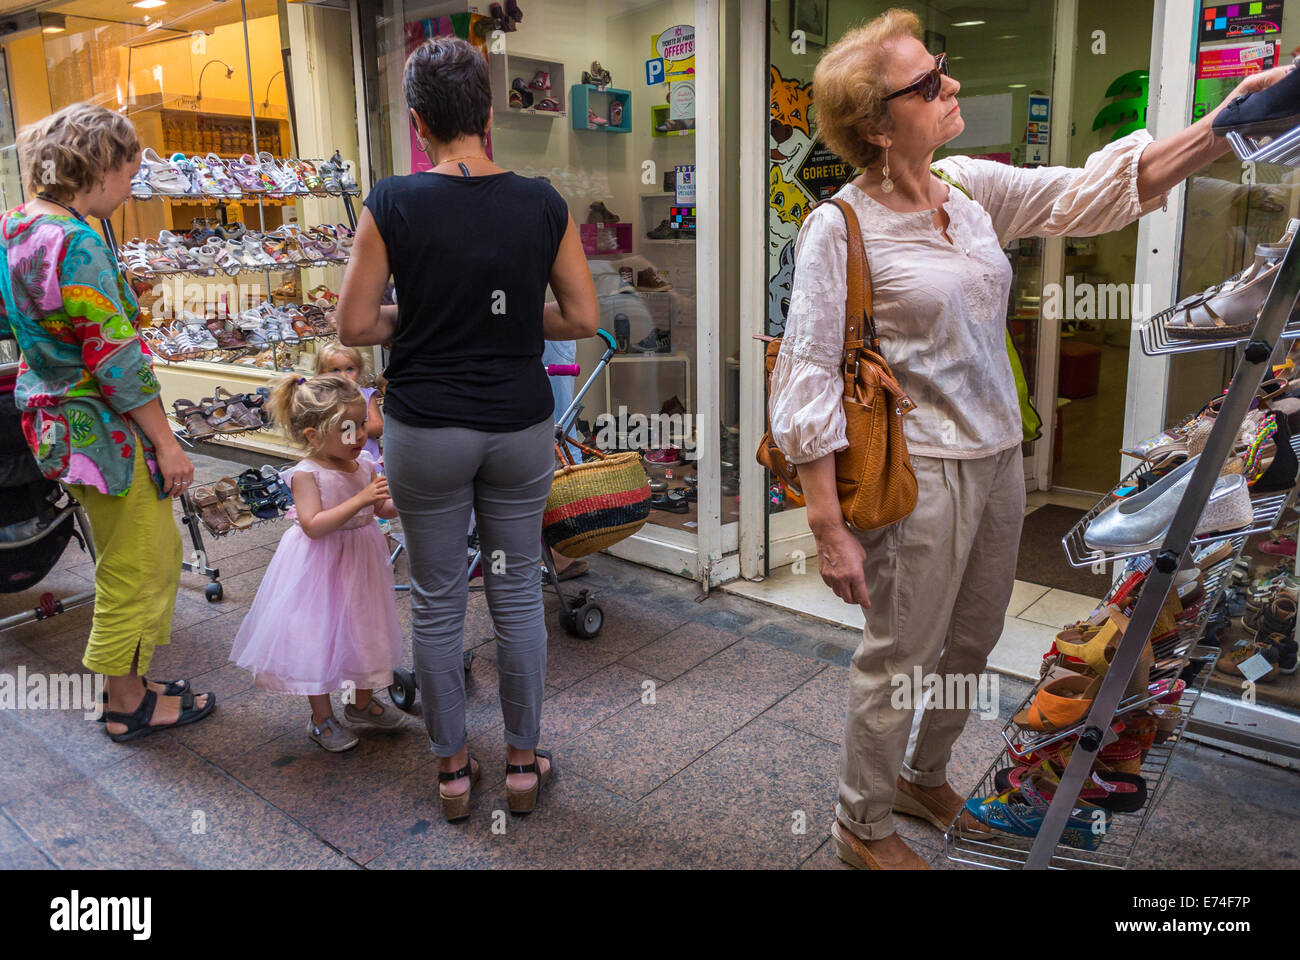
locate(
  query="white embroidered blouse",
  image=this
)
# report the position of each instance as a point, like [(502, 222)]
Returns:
[(940, 307)]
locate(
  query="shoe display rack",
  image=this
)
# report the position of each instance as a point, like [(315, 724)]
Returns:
[(1061, 839), (266, 271)]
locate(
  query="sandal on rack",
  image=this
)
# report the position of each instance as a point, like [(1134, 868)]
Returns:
[(138, 723), (1059, 704), (205, 503), (236, 408), (525, 801), (190, 416), (227, 491), (456, 806)]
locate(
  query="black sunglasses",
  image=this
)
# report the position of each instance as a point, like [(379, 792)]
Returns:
[(927, 85)]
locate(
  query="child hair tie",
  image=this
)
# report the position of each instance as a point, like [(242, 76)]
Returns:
[(300, 381)]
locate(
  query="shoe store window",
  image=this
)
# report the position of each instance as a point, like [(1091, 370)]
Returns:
[(238, 229), (600, 99), (1003, 58)]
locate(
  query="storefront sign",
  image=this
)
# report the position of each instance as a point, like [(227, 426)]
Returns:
[(681, 100), (676, 47), (822, 173), (684, 184), (1234, 21), (1236, 61)]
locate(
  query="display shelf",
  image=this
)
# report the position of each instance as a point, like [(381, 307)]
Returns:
[(1267, 507), (1157, 341), (658, 115), (580, 98), (506, 67), (679, 240), (590, 234), (1282, 150), (1006, 851), (208, 274)]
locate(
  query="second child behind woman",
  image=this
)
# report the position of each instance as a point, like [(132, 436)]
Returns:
[(324, 618)]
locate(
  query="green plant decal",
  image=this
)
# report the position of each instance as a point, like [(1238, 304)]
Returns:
[(1131, 112)]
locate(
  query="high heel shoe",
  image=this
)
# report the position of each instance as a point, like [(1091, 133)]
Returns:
[(525, 801), (457, 807)]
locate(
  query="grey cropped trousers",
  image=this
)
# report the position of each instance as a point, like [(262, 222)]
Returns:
[(436, 476)]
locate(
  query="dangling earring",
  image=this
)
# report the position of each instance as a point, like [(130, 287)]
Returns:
[(424, 147), (886, 185)]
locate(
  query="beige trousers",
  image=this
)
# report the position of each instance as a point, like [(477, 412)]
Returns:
[(939, 582)]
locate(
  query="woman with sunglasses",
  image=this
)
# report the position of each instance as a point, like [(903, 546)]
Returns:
[(934, 586)]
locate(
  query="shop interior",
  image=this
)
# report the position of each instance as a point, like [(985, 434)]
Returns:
[(574, 103), (234, 238)]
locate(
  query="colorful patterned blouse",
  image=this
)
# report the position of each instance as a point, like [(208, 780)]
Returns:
[(83, 366)]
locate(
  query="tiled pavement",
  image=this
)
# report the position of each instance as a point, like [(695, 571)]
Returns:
[(736, 751)]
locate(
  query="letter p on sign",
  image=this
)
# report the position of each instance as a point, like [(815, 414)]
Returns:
[(654, 71)]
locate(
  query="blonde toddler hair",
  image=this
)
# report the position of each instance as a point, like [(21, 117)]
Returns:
[(321, 404), (331, 352), (73, 149)]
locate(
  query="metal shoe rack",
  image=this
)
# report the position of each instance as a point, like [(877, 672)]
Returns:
[(345, 196), (189, 516), (1265, 345)]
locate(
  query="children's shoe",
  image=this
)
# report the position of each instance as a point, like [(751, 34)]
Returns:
[(649, 279), (1230, 662), (390, 719), (541, 81), (599, 213), (549, 104), (616, 113), (331, 735), (596, 120), (1280, 547)]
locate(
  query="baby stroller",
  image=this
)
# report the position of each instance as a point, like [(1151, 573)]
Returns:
[(37, 517), (580, 616)]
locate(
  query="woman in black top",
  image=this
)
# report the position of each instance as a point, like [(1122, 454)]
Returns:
[(471, 248)]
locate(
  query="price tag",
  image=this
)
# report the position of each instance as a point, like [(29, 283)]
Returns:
[(1255, 667)]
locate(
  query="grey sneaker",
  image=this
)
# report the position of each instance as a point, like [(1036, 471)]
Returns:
[(390, 719), (332, 735)]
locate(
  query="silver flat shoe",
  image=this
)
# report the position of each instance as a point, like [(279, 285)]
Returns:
[(1140, 522)]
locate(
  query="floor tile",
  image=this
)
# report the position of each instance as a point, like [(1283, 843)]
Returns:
[(674, 653), (1020, 648), (817, 707), (1058, 608), (1022, 595)]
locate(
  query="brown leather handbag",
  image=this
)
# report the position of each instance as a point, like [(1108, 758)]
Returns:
[(873, 475)]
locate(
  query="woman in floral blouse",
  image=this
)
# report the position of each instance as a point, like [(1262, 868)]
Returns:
[(92, 413)]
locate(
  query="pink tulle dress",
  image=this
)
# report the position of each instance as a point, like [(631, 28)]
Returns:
[(324, 614)]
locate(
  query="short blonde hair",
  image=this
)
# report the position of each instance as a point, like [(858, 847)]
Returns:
[(74, 148), (849, 85), (321, 404), (329, 352)]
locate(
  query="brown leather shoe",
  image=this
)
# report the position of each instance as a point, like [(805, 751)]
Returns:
[(888, 853), (940, 811)]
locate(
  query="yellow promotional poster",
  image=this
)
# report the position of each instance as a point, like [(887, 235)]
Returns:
[(676, 47)]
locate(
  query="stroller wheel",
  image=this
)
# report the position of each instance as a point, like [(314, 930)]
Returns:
[(585, 621), (213, 592), (402, 690)]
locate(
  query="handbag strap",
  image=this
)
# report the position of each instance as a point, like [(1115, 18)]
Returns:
[(857, 301)]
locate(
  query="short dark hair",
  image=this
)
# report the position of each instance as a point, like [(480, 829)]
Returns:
[(446, 83)]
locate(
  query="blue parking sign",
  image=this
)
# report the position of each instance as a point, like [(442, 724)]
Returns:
[(654, 71)]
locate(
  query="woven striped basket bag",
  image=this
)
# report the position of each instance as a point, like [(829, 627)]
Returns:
[(596, 504)]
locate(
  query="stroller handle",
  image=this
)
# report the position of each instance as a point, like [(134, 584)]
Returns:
[(563, 370)]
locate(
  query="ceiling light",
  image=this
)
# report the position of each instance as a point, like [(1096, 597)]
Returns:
[(1016, 86), (969, 23), (53, 22), (149, 4), (51, 29), (951, 59), (1009, 36)]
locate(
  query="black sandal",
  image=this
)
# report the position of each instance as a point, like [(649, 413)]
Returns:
[(138, 725), (457, 807), (525, 801), (669, 502), (171, 688)]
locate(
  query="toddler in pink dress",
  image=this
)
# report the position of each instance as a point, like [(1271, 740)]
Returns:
[(324, 617)]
